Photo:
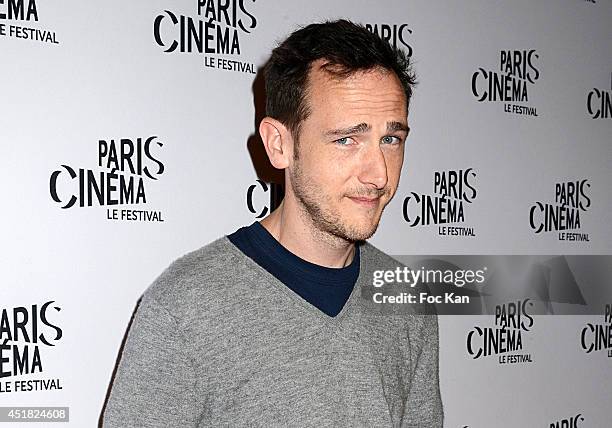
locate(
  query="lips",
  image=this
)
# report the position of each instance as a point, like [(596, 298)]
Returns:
[(365, 200), (361, 198)]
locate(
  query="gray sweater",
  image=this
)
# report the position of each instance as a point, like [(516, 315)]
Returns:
[(219, 341)]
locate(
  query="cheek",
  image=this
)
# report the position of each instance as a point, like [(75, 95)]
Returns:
[(333, 178), (323, 174), (332, 168)]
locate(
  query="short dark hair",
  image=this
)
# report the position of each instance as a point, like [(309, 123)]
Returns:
[(348, 47)]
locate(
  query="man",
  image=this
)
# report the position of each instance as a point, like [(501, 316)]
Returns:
[(267, 326)]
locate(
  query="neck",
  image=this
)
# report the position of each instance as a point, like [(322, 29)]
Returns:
[(295, 231)]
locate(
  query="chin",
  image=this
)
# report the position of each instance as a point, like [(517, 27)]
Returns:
[(357, 231)]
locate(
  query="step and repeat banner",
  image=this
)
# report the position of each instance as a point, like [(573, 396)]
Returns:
[(128, 135)]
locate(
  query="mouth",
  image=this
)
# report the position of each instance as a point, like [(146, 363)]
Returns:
[(364, 201)]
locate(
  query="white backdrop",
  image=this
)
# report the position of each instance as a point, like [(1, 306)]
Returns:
[(99, 74)]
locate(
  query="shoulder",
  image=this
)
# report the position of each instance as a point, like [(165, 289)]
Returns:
[(194, 279)]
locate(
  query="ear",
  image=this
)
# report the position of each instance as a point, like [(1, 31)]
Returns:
[(277, 141)]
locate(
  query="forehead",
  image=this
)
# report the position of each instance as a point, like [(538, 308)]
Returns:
[(363, 95)]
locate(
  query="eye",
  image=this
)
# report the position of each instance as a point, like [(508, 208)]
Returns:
[(344, 141), (390, 139)]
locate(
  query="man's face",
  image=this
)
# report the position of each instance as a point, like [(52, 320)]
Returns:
[(351, 150)]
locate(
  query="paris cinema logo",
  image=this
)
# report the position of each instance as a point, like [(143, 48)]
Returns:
[(511, 84), (18, 19), (596, 337), (263, 198), (453, 190), (25, 335), (396, 35), (564, 216), (128, 166), (217, 32), (571, 422), (505, 339), (599, 103)]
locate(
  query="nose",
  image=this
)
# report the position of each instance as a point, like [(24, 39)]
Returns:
[(374, 168)]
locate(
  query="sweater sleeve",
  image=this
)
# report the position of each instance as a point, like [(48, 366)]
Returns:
[(424, 404), (154, 382)]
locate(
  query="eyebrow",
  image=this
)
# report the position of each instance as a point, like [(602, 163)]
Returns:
[(363, 127), (397, 126)]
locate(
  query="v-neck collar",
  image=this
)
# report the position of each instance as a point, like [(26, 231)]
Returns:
[(296, 298)]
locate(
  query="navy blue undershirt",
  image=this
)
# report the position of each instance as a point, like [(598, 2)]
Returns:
[(328, 289)]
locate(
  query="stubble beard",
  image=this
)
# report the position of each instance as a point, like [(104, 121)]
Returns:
[(313, 201)]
